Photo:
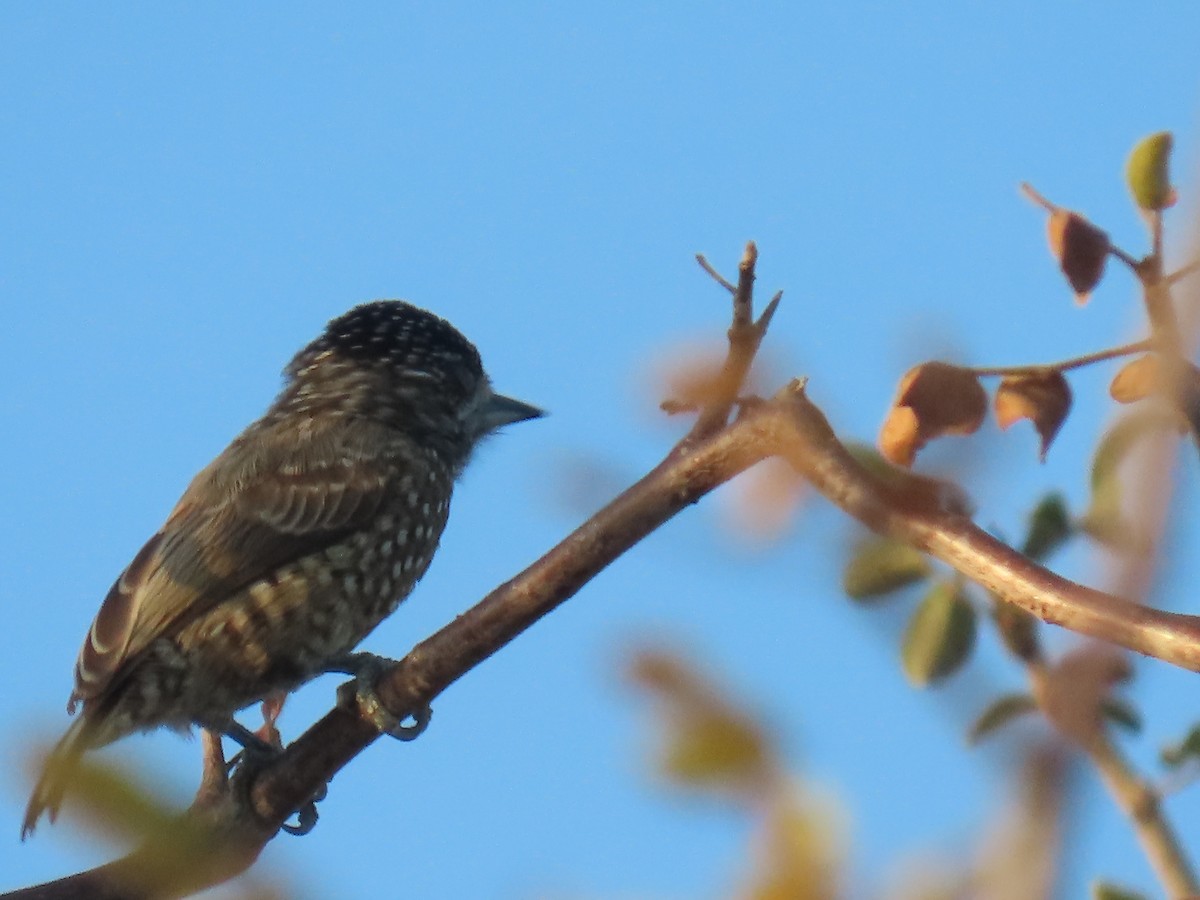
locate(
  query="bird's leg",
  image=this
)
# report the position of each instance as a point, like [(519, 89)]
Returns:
[(366, 669), (251, 743), (266, 742), (215, 778), (272, 706), (253, 746)]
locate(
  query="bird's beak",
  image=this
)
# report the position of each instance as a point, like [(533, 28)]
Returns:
[(499, 411)]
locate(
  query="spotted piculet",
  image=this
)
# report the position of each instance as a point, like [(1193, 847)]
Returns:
[(295, 542)]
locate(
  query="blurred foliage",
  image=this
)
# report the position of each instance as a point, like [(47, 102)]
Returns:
[(1105, 890), (999, 713), (1105, 520), (1049, 527), (940, 635), (711, 743), (879, 566), (799, 846), (1185, 751), (117, 806)]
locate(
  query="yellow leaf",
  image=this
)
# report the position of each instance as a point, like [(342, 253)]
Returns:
[(801, 853), (717, 750), (1137, 379), (1147, 172)]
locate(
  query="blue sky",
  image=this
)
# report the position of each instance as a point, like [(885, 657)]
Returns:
[(191, 191)]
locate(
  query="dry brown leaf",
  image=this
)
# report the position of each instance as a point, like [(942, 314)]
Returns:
[(1080, 248), (933, 399), (899, 439), (1043, 398)]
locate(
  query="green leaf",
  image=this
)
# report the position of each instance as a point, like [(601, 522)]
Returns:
[(1018, 629), (872, 460), (879, 566), (1104, 520), (1106, 890), (1147, 171), (940, 635), (1049, 526), (1121, 438), (1187, 750), (999, 713), (1119, 712)]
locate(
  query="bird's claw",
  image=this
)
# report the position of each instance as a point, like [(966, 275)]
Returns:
[(366, 669), (306, 820), (306, 816), (382, 718)]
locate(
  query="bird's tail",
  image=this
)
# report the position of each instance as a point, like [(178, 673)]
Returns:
[(57, 772)]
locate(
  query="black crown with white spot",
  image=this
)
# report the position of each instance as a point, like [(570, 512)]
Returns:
[(399, 336), (386, 360)]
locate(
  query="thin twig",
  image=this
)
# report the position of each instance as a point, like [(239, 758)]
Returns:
[(716, 276), (1177, 276), (745, 337), (1142, 806), (1156, 235), (1132, 262), (764, 321), (743, 297), (1067, 364), (1029, 191), (1072, 694), (1165, 329)]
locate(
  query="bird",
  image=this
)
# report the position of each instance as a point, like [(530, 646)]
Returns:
[(293, 543)]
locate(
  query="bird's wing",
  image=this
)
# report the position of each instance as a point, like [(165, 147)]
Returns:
[(251, 511)]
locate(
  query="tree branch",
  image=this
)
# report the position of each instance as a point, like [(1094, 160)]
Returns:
[(789, 426), (1141, 804), (226, 830), (235, 818), (745, 337)]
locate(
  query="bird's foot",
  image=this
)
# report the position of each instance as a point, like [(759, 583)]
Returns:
[(256, 752), (366, 669)]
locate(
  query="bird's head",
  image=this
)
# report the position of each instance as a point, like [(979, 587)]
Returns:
[(403, 367)]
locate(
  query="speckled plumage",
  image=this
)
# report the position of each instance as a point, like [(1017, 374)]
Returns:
[(296, 541)]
